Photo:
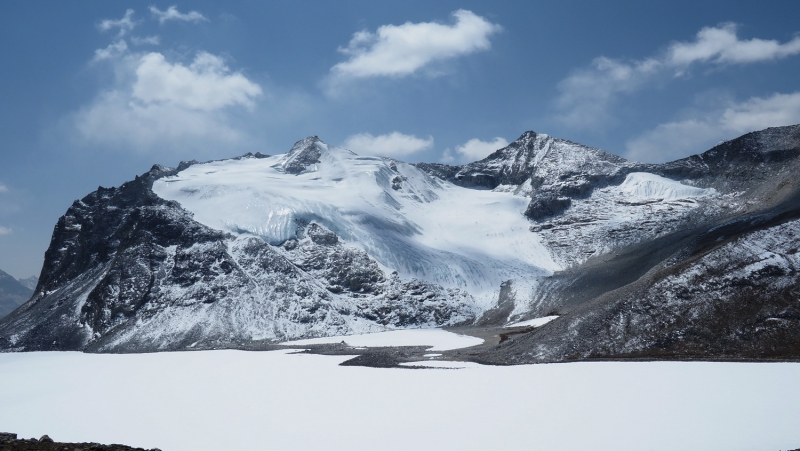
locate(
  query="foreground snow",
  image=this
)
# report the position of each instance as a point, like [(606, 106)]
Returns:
[(214, 400), (439, 339)]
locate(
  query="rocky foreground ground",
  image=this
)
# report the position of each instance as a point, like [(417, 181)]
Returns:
[(10, 442)]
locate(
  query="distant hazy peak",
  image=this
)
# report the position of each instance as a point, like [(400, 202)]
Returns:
[(29, 282)]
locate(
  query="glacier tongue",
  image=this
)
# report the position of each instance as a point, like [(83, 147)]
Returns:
[(406, 220), (643, 185)]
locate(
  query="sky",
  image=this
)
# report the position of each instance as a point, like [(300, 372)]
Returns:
[(94, 93)]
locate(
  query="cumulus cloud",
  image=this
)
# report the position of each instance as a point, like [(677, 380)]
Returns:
[(3, 188), (401, 50), (124, 25), (149, 40), (475, 149), (393, 144), (172, 13), (5, 231), (588, 96), (161, 104), (693, 135), (206, 84)]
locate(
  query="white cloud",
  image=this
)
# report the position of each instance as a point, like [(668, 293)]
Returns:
[(394, 144), (588, 96), (5, 231), (400, 50), (3, 188), (149, 40), (758, 113), (125, 24), (157, 104), (206, 84), (721, 45), (689, 136), (475, 149), (172, 13), (113, 50), (447, 157)]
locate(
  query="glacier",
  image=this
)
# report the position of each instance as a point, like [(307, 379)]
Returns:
[(407, 220)]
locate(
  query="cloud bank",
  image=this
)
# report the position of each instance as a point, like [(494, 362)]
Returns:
[(675, 139), (393, 144)]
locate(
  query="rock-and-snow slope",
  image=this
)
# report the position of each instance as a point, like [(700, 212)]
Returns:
[(254, 250), (405, 219)]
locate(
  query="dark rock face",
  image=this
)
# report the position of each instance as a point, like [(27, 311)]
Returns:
[(304, 154), (547, 205), (12, 294)]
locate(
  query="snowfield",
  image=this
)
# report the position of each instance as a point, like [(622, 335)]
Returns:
[(535, 322), (440, 340), (643, 186), (236, 400)]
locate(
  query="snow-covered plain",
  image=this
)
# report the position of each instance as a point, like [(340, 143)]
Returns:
[(225, 400), (438, 339)]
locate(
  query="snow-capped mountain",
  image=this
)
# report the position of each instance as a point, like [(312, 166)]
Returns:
[(321, 241)]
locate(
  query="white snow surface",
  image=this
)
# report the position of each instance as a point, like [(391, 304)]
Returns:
[(643, 185), (535, 322), (238, 400), (438, 339), (427, 229)]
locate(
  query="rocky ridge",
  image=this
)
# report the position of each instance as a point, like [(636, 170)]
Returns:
[(10, 442)]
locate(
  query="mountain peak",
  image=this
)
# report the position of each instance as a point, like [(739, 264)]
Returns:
[(303, 154)]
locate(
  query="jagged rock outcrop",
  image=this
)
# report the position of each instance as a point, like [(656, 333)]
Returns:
[(303, 155), (10, 442)]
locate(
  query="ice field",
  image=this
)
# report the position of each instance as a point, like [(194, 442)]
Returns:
[(218, 400)]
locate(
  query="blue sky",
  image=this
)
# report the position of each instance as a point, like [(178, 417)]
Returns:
[(93, 93)]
